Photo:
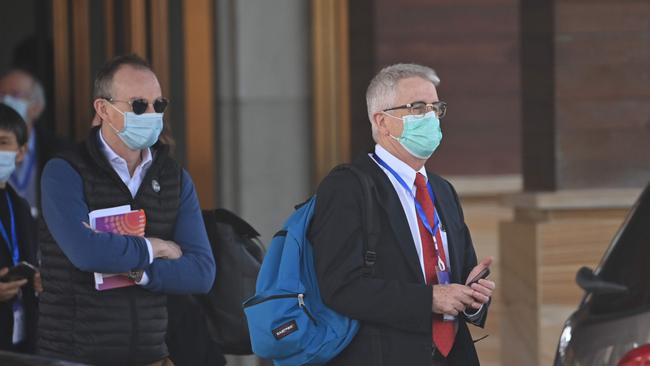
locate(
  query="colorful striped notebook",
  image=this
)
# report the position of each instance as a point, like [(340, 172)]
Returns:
[(119, 222)]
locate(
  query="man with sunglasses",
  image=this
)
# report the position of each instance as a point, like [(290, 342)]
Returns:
[(122, 162), (414, 307)]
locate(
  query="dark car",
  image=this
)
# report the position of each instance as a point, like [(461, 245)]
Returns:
[(612, 323)]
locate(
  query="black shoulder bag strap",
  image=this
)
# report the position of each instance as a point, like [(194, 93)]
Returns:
[(371, 225)]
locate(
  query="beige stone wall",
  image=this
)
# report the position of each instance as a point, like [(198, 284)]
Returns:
[(481, 200), (539, 241)]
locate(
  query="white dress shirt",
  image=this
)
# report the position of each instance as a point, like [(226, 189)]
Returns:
[(132, 182), (406, 198)]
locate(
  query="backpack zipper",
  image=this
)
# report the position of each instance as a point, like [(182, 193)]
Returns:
[(301, 303), (265, 299)]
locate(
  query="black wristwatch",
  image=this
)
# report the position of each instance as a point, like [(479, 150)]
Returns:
[(136, 275)]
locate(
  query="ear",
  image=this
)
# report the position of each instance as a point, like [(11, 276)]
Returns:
[(101, 113), (96, 121), (20, 156), (35, 110), (380, 122)]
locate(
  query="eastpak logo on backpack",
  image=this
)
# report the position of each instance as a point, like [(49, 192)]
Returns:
[(285, 329)]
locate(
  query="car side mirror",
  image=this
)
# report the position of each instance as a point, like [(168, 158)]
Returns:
[(590, 282)]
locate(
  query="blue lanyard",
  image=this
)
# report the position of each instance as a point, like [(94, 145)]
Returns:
[(419, 209), (13, 243), (21, 183)]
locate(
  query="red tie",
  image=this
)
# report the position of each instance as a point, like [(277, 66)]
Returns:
[(443, 331)]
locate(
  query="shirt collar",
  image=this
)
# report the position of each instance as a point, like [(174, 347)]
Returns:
[(404, 170), (113, 158)]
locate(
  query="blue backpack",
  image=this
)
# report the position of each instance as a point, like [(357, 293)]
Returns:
[(287, 319)]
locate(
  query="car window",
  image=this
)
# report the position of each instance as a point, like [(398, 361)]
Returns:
[(628, 263)]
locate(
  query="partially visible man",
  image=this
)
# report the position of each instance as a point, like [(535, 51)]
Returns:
[(413, 310), (24, 93), (122, 162), (18, 305)]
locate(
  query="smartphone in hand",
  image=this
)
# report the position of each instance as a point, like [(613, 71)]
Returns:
[(21, 271), (483, 274)]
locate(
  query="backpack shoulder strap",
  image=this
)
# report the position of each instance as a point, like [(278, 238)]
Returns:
[(370, 223)]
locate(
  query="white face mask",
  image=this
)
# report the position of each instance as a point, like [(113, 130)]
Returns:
[(7, 164), (140, 130), (18, 104)]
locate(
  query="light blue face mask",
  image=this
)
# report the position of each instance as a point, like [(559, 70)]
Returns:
[(140, 130), (421, 135), (18, 104), (7, 164)]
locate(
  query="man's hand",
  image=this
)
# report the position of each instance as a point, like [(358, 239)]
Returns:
[(165, 249), (8, 290), (451, 299), (482, 290), (38, 283)]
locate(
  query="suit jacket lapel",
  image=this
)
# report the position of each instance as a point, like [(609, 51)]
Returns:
[(389, 201), (442, 205)]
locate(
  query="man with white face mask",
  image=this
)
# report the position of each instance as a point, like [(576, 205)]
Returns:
[(122, 162), (414, 307), (24, 93)]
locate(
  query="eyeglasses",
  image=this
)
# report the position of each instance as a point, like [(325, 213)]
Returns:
[(421, 108), (140, 105)]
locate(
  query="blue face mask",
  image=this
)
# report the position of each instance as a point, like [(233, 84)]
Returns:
[(7, 164), (421, 135), (18, 104), (140, 130)]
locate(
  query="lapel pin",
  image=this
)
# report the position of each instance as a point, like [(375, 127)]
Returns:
[(155, 185)]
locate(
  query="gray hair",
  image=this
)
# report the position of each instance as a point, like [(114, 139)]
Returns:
[(380, 94), (36, 93)]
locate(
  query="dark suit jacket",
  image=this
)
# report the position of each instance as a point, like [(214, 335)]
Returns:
[(26, 233), (394, 305)]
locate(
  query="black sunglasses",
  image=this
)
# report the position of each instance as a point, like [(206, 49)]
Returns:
[(140, 105)]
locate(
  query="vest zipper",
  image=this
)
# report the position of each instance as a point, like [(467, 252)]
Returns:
[(134, 327)]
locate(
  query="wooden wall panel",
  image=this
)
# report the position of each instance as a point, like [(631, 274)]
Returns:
[(362, 66), (136, 27), (109, 27), (81, 76), (159, 42), (602, 96), (62, 75), (537, 95), (331, 85), (473, 46), (198, 23)]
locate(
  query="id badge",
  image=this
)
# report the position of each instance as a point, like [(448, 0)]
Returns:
[(443, 279), (19, 322)]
